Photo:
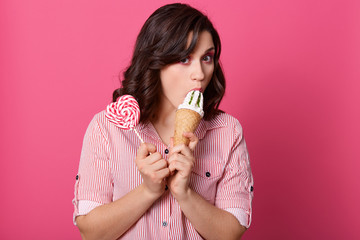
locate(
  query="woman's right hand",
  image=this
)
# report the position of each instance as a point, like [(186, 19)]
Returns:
[(153, 169), (110, 221)]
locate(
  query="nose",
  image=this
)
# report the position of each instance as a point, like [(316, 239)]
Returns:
[(197, 72)]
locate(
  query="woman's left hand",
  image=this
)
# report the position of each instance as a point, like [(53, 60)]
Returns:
[(181, 163)]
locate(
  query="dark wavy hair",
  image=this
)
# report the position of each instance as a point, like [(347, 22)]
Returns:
[(163, 40)]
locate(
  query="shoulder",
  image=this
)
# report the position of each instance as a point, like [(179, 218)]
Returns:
[(225, 122), (100, 118), (99, 121), (101, 126), (222, 124)]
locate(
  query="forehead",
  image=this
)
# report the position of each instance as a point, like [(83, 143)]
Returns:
[(204, 41)]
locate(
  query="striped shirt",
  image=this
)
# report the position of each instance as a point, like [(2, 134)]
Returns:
[(221, 174)]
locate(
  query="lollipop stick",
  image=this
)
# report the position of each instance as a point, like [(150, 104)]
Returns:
[(142, 141)]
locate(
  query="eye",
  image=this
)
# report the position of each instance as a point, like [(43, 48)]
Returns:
[(185, 60), (208, 58)]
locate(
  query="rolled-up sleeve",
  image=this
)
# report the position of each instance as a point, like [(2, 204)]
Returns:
[(235, 188), (94, 183)]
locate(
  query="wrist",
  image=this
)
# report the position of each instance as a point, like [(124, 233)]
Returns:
[(184, 196), (148, 194)]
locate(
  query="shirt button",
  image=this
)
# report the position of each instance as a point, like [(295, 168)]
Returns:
[(166, 151), (207, 174), (164, 223)]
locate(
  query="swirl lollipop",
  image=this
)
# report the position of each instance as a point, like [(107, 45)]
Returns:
[(124, 113)]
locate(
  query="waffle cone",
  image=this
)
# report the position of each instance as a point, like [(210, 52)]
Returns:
[(186, 120)]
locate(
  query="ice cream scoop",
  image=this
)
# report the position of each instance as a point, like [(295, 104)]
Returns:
[(188, 116)]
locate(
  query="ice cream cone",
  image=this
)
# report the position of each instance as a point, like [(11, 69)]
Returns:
[(186, 120), (188, 116)]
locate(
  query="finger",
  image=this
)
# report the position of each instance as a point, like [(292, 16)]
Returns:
[(180, 158), (153, 158), (163, 173), (172, 167), (176, 149), (158, 165), (172, 162), (181, 167), (176, 159), (193, 140), (144, 165), (145, 149), (182, 149), (151, 147)]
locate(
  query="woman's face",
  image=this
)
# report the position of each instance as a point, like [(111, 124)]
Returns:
[(193, 72)]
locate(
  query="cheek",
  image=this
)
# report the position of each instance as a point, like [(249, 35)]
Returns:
[(209, 71), (208, 75), (166, 77), (170, 81)]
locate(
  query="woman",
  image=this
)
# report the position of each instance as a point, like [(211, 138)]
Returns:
[(158, 191)]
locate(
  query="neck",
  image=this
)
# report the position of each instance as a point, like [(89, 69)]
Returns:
[(164, 121), (165, 115)]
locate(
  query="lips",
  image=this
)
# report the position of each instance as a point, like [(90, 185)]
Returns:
[(197, 89)]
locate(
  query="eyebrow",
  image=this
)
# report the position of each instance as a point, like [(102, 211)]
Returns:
[(210, 49)]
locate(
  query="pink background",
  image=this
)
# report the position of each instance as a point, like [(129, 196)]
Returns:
[(292, 71)]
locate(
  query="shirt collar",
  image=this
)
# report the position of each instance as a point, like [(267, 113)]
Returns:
[(149, 130), (205, 126)]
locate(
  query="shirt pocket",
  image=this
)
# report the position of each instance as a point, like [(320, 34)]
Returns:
[(204, 178)]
